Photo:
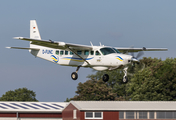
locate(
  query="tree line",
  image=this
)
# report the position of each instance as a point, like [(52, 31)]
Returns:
[(151, 80)]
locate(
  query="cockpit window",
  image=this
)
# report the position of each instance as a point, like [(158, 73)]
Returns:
[(106, 51), (116, 50), (97, 53)]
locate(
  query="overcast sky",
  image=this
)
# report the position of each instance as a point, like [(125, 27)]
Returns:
[(119, 23)]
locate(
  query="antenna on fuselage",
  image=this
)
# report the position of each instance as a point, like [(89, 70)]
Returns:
[(91, 43), (101, 44)]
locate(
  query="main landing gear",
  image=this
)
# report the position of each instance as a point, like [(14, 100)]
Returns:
[(105, 78), (74, 75)]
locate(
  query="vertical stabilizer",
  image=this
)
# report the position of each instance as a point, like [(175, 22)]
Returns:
[(34, 34), (34, 31)]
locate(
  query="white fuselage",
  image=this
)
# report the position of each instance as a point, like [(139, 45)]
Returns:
[(95, 58)]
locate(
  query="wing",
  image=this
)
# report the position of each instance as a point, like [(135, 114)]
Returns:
[(23, 48), (124, 50), (55, 44)]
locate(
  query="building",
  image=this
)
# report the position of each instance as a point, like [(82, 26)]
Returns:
[(119, 110), (88, 110), (31, 110)]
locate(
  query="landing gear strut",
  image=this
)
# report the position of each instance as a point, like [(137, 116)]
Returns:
[(125, 79), (74, 75), (105, 77)]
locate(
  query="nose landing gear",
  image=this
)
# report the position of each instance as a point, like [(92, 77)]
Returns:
[(125, 79)]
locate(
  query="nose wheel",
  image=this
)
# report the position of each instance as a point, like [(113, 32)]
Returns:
[(74, 75), (125, 79)]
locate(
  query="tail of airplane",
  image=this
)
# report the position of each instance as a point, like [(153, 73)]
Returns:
[(34, 31), (34, 34)]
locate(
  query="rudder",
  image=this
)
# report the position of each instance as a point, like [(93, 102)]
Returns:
[(34, 31), (34, 34)]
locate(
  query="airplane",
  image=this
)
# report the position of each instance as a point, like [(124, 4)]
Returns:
[(100, 58)]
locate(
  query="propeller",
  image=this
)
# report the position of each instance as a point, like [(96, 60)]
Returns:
[(135, 59)]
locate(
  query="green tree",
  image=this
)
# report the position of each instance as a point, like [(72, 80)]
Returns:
[(94, 90), (116, 76), (152, 79), (115, 81), (67, 100), (156, 82), (21, 94)]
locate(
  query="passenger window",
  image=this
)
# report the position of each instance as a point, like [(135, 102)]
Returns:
[(61, 52), (66, 52), (79, 52), (86, 52), (57, 52), (97, 53), (92, 52), (71, 53)]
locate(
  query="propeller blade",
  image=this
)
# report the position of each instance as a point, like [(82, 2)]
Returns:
[(140, 54)]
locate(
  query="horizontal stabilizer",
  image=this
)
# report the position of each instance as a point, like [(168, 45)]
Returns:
[(22, 48)]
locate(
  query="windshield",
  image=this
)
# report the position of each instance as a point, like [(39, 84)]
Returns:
[(106, 51), (116, 50)]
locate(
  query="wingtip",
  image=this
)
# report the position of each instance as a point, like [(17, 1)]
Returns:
[(17, 37)]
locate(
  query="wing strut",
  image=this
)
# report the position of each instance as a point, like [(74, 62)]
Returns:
[(78, 55)]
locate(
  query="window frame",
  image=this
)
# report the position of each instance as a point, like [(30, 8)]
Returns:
[(130, 115), (86, 51), (92, 52), (151, 114), (62, 51), (71, 53), (121, 114), (74, 114), (97, 52), (79, 52), (93, 115), (143, 114), (66, 52), (57, 51)]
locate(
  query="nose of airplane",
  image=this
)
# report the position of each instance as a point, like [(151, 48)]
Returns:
[(133, 59)]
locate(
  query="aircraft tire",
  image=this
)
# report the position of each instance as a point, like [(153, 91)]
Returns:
[(125, 79), (105, 77), (74, 76)]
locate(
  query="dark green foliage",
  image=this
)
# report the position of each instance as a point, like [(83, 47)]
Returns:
[(115, 82), (156, 82), (150, 80), (67, 100), (94, 90), (21, 94)]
